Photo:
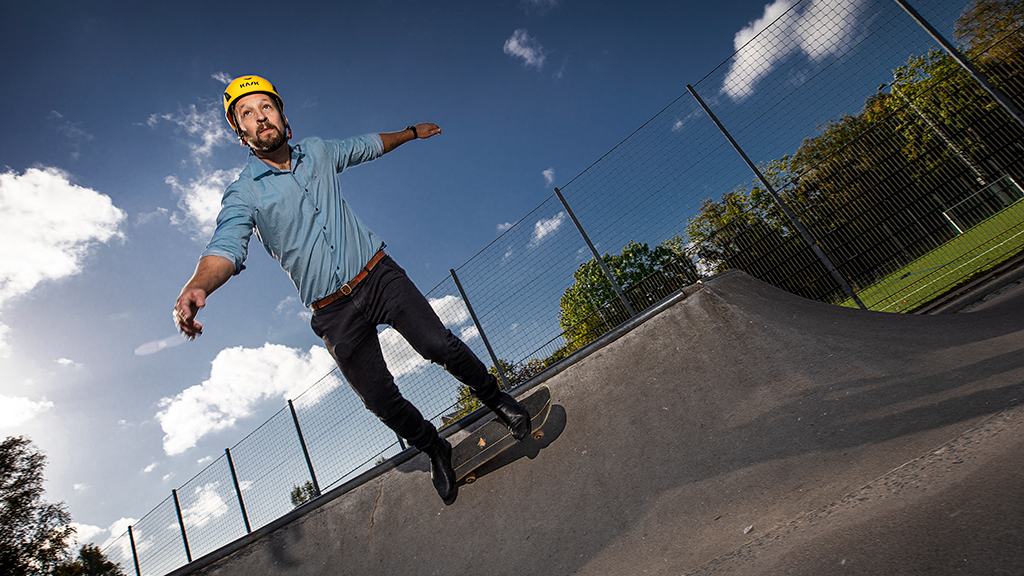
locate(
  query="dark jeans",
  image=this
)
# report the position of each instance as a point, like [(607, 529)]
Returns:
[(348, 327)]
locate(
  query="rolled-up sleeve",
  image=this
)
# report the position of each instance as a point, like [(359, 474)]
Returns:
[(235, 224), (353, 151)]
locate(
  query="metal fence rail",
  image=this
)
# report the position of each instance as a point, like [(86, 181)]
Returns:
[(881, 174)]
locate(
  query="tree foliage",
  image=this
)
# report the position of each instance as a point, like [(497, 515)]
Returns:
[(33, 533), (590, 306), (991, 29), (304, 493), (90, 562)]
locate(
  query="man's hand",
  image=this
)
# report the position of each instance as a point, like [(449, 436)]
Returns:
[(426, 130), (211, 273), (185, 310)]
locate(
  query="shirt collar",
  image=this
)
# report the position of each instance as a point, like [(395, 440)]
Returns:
[(259, 169)]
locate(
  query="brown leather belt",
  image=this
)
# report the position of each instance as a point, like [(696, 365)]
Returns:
[(347, 288)]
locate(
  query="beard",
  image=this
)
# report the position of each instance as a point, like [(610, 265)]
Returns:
[(268, 142)]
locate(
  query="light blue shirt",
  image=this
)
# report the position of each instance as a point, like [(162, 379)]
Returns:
[(300, 216)]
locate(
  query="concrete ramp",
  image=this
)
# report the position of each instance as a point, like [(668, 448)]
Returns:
[(744, 430)]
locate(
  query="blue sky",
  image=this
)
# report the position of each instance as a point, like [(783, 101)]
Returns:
[(117, 152)]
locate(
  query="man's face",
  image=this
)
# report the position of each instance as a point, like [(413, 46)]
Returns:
[(261, 122)]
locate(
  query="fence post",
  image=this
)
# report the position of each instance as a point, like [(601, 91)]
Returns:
[(181, 522), (135, 554), (238, 490), (600, 261), (480, 328), (305, 452), (782, 204), (964, 63)]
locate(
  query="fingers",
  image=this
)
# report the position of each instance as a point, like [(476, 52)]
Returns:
[(185, 310), (427, 129)]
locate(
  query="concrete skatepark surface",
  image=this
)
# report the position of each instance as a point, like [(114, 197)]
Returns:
[(742, 430)]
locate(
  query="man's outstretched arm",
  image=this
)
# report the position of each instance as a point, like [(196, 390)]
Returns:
[(211, 273), (393, 140)]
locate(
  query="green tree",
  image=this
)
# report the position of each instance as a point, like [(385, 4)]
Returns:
[(590, 306), (991, 29), (302, 494), (90, 562), (33, 534)]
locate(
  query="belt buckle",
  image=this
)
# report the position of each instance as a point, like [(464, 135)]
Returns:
[(345, 290)]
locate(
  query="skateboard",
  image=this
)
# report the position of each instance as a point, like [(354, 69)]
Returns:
[(493, 438)]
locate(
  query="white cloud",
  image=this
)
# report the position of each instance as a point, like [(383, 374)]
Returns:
[(74, 135), (208, 506), (123, 547), (522, 45), (451, 310), (16, 411), (812, 32), (400, 357), (240, 379), (549, 176), (504, 227), (541, 6), (208, 126), (81, 487), (147, 217), (292, 305), (469, 332), (48, 225), (222, 77), (200, 199), (67, 363), (85, 533), (545, 228), (5, 347), (150, 468)]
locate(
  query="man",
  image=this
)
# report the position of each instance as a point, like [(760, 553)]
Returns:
[(290, 196)]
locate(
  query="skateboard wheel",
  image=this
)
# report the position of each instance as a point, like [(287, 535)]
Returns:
[(471, 478), (538, 435)]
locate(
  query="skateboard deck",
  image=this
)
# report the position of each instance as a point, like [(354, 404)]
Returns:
[(493, 438)]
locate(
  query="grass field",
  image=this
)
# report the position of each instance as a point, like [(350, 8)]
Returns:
[(978, 249)]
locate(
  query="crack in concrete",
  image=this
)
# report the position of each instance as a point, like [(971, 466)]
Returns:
[(373, 513)]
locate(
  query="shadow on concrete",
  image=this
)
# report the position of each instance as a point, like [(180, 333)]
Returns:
[(528, 448)]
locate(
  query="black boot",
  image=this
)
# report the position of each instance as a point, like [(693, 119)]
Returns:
[(441, 472), (511, 414)]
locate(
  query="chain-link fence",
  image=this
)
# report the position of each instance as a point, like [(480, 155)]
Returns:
[(841, 154)]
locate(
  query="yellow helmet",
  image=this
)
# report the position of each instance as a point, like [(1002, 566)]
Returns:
[(247, 85)]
